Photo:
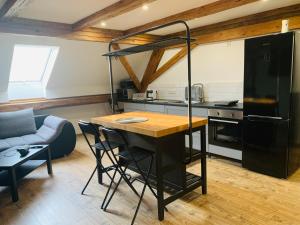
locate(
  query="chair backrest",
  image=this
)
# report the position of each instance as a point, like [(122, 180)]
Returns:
[(89, 129), (114, 136)]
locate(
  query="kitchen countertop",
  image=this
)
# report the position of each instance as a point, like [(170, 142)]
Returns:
[(208, 105)]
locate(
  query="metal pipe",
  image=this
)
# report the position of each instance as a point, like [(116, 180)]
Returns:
[(188, 42), (149, 30), (111, 81)]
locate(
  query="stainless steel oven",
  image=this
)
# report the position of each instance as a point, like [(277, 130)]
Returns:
[(225, 128)]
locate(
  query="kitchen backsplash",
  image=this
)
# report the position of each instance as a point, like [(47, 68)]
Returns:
[(212, 91)]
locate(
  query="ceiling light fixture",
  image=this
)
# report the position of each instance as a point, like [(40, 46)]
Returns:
[(103, 24), (145, 7)]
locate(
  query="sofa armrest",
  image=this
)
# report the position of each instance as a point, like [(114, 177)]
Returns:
[(59, 134)]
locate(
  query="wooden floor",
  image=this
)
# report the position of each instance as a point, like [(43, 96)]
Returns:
[(235, 196)]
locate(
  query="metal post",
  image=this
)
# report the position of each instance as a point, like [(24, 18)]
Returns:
[(111, 81), (188, 36)]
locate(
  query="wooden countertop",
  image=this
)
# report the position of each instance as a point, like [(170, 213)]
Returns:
[(158, 125)]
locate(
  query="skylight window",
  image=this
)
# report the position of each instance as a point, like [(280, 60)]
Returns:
[(32, 63)]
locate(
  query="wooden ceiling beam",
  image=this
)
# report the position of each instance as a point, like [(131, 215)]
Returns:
[(152, 66), (62, 30), (128, 68), (111, 11), (34, 27), (271, 15), (198, 12), (206, 34), (165, 67), (248, 31)]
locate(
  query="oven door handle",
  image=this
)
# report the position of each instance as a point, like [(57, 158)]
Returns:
[(224, 121)]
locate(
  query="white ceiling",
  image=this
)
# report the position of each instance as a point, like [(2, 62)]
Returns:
[(70, 11), (157, 10), (245, 10), (64, 11)]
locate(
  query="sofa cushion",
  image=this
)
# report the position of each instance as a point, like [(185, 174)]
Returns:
[(30, 139), (3, 145), (15, 141), (33, 139), (47, 133), (18, 123)]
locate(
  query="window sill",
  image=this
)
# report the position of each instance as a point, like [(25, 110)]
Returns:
[(43, 103)]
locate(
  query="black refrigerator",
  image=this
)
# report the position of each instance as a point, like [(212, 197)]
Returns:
[(271, 127)]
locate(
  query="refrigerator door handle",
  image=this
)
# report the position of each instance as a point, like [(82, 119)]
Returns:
[(264, 117)]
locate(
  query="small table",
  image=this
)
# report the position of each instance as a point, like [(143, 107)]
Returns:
[(13, 167), (165, 135)]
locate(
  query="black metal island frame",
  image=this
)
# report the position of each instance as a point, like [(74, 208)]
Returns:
[(171, 155)]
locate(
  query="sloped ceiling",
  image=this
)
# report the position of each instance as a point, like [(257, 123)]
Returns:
[(64, 11)]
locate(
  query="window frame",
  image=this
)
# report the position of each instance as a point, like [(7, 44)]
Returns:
[(47, 68)]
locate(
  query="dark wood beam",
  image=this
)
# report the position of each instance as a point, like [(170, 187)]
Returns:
[(128, 68), (111, 11), (198, 12), (165, 67), (152, 66), (38, 104)]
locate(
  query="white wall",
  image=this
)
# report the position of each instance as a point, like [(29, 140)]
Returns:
[(219, 66), (80, 69)]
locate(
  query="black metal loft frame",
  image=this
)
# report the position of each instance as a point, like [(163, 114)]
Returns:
[(188, 44)]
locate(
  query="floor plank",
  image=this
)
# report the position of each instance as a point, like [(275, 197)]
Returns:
[(235, 196)]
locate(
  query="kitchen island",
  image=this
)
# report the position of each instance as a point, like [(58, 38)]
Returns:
[(165, 135)]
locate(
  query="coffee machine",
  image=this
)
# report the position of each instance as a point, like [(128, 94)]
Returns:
[(126, 90)]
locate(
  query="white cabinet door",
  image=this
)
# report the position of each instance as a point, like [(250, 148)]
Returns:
[(131, 107), (155, 108), (178, 110)]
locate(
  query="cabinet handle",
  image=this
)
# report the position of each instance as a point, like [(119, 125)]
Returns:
[(264, 117)]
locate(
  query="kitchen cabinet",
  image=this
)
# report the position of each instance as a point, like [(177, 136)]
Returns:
[(131, 107), (155, 108), (182, 111)]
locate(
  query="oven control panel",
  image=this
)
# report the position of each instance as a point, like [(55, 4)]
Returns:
[(225, 113)]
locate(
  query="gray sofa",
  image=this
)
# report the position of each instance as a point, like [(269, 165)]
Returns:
[(23, 128)]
